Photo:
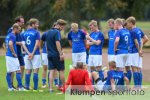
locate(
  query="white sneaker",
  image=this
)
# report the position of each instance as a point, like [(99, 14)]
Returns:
[(12, 89), (44, 86), (22, 89)]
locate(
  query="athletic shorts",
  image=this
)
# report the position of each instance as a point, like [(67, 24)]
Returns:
[(95, 60), (12, 64), (129, 60), (135, 59), (44, 59), (34, 63), (140, 62), (111, 58), (78, 57), (55, 63), (21, 60), (121, 60)]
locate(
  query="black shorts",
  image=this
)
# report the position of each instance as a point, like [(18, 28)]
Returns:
[(21, 60), (55, 63)]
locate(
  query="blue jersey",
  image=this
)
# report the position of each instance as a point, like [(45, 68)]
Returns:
[(118, 77), (9, 30), (123, 45), (111, 36), (136, 33), (18, 39), (29, 37), (77, 39), (10, 37), (50, 37), (44, 48), (97, 49)]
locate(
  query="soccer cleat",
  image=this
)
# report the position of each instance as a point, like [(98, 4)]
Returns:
[(11, 89), (22, 89), (44, 86)]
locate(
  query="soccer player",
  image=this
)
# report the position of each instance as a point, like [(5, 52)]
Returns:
[(96, 41), (77, 41), (121, 46), (20, 21), (114, 79), (31, 39), (78, 76), (138, 39), (12, 62), (55, 55), (111, 37)]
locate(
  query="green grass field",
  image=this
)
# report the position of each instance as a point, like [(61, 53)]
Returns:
[(5, 95)]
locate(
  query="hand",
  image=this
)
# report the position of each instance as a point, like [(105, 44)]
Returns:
[(15, 55), (140, 53), (30, 56), (87, 37), (61, 57)]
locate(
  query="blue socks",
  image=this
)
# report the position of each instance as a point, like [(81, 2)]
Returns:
[(8, 78), (27, 81), (44, 81), (129, 75), (101, 75), (135, 78), (56, 81), (35, 80), (19, 79), (140, 78)]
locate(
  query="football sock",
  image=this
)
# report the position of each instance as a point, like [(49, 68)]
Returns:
[(19, 79), (27, 80), (8, 78), (35, 80)]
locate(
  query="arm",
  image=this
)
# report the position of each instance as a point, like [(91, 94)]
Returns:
[(19, 43), (145, 39), (127, 82), (25, 48), (70, 43), (68, 82), (35, 47), (96, 42), (87, 81), (12, 48), (116, 43), (112, 81)]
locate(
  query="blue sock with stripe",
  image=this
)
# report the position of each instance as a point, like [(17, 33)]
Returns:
[(19, 79), (8, 78), (35, 80), (27, 81)]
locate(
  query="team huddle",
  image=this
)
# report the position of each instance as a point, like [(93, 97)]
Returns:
[(124, 53)]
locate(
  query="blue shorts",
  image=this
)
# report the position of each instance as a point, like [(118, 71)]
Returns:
[(55, 63), (21, 60)]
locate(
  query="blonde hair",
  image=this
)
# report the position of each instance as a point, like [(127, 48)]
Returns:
[(16, 26), (111, 20), (61, 22), (74, 25), (131, 20), (93, 22), (33, 21), (112, 64), (119, 21)]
